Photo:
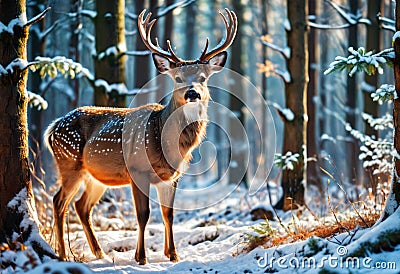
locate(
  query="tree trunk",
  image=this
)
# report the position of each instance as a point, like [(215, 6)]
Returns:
[(142, 63), (351, 95), (373, 43), (294, 181), (37, 48), (235, 105), (16, 198), (74, 53), (312, 94), (393, 200), (190, 31), (110, 66)]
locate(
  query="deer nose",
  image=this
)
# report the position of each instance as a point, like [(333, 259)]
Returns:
[(192, 95)]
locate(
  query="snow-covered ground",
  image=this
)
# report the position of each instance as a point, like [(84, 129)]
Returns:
[(211, 240)]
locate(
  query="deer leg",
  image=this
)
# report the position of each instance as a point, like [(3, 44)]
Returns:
[(140, 189), (69, 187), (84, 206), (166, 196)]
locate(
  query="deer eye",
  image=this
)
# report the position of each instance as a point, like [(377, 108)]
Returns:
[(178, 80), (202, 79)]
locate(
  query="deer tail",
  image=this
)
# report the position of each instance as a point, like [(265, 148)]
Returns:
[(49, 134)]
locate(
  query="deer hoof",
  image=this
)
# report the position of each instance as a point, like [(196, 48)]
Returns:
[(141, 261), (174, 258), (99, 254)]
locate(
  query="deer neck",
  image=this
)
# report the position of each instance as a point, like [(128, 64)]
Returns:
[(188, 122)]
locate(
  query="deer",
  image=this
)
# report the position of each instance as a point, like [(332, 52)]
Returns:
[(105, 147)]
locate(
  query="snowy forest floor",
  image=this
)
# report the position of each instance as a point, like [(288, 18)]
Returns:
[(224, 239)]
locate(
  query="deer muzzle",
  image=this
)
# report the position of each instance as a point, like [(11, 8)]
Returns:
[(192, 95)]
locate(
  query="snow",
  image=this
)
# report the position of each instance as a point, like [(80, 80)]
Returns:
[(61, 268), (396, 36), (288, 26), (119, 87), (289, 115), (114, 50), (211, 240), (37, 101), (17, 63), (21, 21)]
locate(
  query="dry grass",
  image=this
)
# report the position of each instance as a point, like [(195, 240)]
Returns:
[(324, 230), (359, 214)]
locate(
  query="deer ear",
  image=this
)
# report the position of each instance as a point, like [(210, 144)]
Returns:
[(218, 61), (162, 64)]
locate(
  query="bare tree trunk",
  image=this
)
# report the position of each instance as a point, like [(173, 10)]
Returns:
[(142, 63), (37, 48), (312, 93), (16, 218), (295, 131), (264, 31), (393, 200), (110, 65), (373, 43), (190, 32), (74, 53), (352, 95), (235, 105)]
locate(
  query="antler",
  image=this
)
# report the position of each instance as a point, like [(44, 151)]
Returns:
[(145, 30), (231, 29)]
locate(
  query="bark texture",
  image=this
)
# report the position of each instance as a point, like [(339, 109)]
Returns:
[(110, 46), (294, 181)]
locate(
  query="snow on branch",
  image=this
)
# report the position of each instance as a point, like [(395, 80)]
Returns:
[(119, 87), (286, 161), (284, 75), (385, 93), (37, 18), (350, 18), (51, 67), (16, 64), (380, 123), (325, 26), (36, 101), (91, 14), (374, 152), (285, 52), (270, 69), (173, 6), (285, 113), (43, 34), (162, 11), (360, 60), (112, 51), (387, 23), (137, 52), (20, 21)]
